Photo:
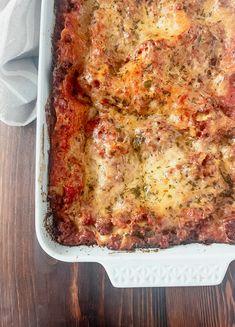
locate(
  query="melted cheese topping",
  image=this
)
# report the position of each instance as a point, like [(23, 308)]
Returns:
[(153, 147), (155, 173), (167, 24)]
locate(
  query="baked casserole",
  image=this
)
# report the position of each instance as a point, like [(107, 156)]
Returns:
[(142, 123)]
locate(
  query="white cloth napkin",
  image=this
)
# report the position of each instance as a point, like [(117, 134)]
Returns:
[(19, 37)]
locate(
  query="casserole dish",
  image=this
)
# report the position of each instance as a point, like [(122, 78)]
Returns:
[(185, 265)]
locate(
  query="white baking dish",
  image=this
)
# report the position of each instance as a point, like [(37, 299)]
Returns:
[(186, 265)]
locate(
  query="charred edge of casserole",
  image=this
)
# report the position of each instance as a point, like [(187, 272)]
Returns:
[(50, 225), (57, 72), (139, 244), (68, 235), (60, 7)]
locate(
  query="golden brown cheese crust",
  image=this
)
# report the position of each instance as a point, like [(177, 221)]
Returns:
[(142, 142)]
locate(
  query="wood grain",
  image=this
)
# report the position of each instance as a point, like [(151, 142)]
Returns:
[(37, 291)]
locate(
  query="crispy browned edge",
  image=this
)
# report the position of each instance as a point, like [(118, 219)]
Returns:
[(60, 7)]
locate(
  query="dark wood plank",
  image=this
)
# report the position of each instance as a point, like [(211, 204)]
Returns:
[(203, 306), (37, 291)]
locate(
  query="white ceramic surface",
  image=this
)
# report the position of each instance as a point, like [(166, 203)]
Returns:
[(186, 265)]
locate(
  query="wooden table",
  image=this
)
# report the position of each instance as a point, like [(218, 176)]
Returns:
[(36, 290)]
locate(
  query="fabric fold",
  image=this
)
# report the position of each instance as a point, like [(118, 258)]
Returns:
[(19, 39)]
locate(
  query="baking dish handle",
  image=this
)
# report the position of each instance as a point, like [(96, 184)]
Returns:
[(163, 274)]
